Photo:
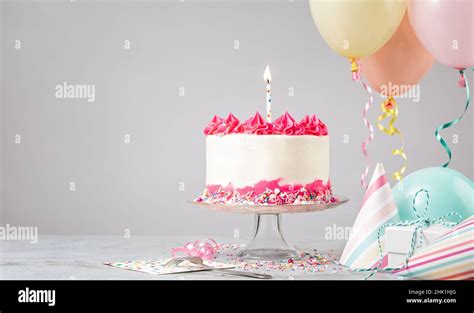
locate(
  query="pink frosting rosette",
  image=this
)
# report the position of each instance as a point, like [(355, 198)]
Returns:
[(322, 127), (257, 125), (233, 125), (215, 126), (313, 126), (286, 125)]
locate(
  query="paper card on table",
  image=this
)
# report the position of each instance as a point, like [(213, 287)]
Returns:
[(156, 267), (378, 207)]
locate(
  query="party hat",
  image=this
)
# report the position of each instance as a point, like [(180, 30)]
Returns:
[(451, 257), (378, 207)]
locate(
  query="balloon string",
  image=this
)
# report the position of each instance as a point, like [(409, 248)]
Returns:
[(371, 135), (449, 124), (390, 110)]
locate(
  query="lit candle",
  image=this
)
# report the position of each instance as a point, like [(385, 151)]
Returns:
[(268, 78)]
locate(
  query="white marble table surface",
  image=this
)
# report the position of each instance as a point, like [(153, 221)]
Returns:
[(82, 257)]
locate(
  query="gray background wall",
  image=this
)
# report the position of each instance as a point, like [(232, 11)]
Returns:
[(190, 45)]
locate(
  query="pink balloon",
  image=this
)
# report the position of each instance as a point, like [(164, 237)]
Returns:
[(446, 29), (402, 61)]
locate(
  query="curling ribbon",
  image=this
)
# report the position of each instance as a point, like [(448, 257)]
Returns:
[(462, 83), (356, 77), (355, 69), (371, 135), (390, 110), (205, 249)]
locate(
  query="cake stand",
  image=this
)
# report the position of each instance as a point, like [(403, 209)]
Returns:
[(268, 243)]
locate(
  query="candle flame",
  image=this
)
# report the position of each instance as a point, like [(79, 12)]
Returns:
[(266, 75)]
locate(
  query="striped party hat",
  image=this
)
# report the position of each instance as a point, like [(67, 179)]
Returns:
[(378, 207), (451, 257)]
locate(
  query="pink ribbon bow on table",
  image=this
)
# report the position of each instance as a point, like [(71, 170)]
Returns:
[(205, 249)]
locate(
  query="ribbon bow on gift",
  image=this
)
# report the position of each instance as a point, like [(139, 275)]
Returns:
[(422, 222), (205, 249)]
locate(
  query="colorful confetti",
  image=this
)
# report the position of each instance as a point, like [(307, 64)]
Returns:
[(269, 197), (308, 262), (226, 257)]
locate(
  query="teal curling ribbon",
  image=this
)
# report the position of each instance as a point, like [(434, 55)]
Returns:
[(422, 222), (446, 125)]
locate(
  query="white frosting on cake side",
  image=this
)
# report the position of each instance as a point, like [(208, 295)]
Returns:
[(243, 160)]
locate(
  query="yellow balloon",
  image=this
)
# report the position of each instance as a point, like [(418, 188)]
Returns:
[(357, 28)]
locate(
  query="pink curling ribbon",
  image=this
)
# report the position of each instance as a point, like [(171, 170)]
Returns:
[(462, 81), (355, 69), (367, 106), (205, 249)]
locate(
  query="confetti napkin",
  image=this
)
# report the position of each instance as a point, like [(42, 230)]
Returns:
[(378, 207), (156, 267)]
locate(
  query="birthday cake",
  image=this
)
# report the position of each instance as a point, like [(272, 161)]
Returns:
[(267, 163)]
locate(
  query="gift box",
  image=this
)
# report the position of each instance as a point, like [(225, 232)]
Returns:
[(398, 241)]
